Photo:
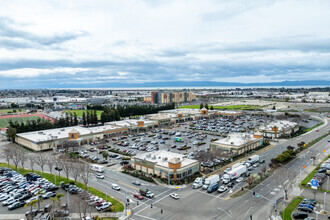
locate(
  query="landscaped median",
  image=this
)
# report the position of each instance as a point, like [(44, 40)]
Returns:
[(118, 207), (303, 183), (286, 214)]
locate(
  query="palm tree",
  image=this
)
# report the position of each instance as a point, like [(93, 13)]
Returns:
[(31, 204), (39, 198), (56, 199)]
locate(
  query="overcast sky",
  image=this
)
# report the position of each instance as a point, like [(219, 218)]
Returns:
[(78, 43)]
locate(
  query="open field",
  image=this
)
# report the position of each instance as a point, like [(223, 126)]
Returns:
[(5, 111), (4, 122), (235, 107), (80, 112)]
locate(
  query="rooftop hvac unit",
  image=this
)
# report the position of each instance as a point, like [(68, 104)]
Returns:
[(153, 157), (148, 155), (59, 133), (62, 129), (232, 143), (40, 132)]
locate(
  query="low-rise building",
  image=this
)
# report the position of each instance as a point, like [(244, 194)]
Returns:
[(54, 138), (277, 129), (166, 165), (134, 125), (238, 143)]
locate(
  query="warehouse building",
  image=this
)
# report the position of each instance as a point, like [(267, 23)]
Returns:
[(166, 164), (239, 143)]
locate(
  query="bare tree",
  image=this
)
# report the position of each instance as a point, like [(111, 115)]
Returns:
[(76, 170), (32, 161), (15, 157), (263, 170), (251, 180), (70, 144), (80, 206), (50, 162), (286, 181), (8, 152), (66, 165), (22, 157), (85, 173), (41, 161)]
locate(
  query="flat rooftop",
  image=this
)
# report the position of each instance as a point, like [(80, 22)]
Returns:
[(61, 133), (281, 125), (236, 139), (162, 158)]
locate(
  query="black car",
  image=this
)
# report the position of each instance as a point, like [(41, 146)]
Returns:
[(322, 170), (313, 201), (300, 215), (262, 161), (305, 209), (231, 184), (16, 205)]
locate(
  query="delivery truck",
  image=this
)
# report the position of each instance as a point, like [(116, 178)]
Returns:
[(147, 193), (198, 183), (237, 172), (254, 159), (211, 180)]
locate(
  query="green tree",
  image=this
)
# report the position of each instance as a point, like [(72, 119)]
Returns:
[(11, 134), (105, 155), (32, 203), (103, 117), (201, 106), (206, 106), (211, 108), (88, 118), (75, 119), (95, 117), (84, 119)]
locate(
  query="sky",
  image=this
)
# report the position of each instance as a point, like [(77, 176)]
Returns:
[(69, 43)]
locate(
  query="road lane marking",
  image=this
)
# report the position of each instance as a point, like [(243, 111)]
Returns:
[(154, 202), (145, 217)]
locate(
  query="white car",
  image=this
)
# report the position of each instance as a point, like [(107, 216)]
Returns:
[(99, 176), (115, 187), (9, 201), (255, 165), (103, 206), (174, 195), (240, 179)]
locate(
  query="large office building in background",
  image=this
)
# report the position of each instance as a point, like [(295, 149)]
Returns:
[(164, 97)]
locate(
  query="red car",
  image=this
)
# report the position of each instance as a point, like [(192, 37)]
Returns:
[(173, 146), (92, 149), (138, 196)]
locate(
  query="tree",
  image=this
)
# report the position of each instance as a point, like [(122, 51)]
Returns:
[(211, 108), (66, 165), (75, 170), (41, 161), (88, 118), (32, 203), (85, 174), (8, 152), (84, 119), (11, 134), (286, 181), (201, 106), (206, 106), (22, 157), (94, 117), (80, 206), (105, 155), (251, 180), (287, 99), (15, 157), (50, 162), (70, 144), (32, 161), (75, 119)]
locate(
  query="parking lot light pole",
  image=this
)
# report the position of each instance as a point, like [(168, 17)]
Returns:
[(325, 195)]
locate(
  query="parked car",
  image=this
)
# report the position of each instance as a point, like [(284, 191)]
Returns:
[(16, 205), (305, 209), (300, 215), (222, 189), (103, 206), (240, 179)]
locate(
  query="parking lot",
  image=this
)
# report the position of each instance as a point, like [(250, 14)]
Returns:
[(18, 190)]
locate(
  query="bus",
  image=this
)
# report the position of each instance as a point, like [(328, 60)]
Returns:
[(178, 139)]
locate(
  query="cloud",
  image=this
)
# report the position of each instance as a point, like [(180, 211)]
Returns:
[(52, 44)]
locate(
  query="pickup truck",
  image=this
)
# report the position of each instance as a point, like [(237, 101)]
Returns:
[(147, 193)]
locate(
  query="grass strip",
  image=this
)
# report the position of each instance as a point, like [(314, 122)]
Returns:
[(286, 214)]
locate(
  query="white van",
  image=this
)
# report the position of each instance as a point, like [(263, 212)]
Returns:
[(97, 168)]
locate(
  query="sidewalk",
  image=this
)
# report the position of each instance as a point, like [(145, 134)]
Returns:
[(169, 186)]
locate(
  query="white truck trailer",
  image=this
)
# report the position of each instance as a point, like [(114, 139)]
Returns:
[(237, 172), (254, 159), (211, 180)]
